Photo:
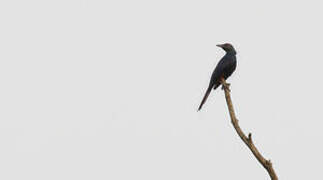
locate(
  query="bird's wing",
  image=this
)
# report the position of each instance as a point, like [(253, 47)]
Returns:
[(218, 71)]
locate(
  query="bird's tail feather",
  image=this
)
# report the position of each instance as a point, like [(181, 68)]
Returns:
[(216, 86), (207, 93)]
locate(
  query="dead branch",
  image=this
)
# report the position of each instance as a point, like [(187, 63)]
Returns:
[(247, 140)]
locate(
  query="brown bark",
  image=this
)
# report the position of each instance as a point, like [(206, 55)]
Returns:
[(247, 140)]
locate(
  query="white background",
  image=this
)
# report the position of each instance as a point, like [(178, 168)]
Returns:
[(109, 90)]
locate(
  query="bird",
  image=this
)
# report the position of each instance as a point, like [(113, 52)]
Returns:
[(224, 69)]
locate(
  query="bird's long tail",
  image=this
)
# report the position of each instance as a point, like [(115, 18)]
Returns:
[(207, 93)]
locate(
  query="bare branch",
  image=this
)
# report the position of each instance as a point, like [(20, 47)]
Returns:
[(247, 140)]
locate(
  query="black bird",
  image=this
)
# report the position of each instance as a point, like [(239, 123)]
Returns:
[(225, 68)]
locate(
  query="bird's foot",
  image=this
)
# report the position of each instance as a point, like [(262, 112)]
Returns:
[(226, 86)]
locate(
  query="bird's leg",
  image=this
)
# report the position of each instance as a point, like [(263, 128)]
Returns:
[(225, 85)]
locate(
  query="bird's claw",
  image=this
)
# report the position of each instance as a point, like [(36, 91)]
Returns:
[(226, 86)]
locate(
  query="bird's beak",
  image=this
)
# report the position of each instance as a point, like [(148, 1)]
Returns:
[(220, 45)]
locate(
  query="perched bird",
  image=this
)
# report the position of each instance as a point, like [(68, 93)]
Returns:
[(224, 69)]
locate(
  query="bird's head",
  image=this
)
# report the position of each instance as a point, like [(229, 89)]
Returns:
[(227, 47)]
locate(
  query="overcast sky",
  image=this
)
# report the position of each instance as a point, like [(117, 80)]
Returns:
[(109, 90)]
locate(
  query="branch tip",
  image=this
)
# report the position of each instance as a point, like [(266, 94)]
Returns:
[(249, 137)]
